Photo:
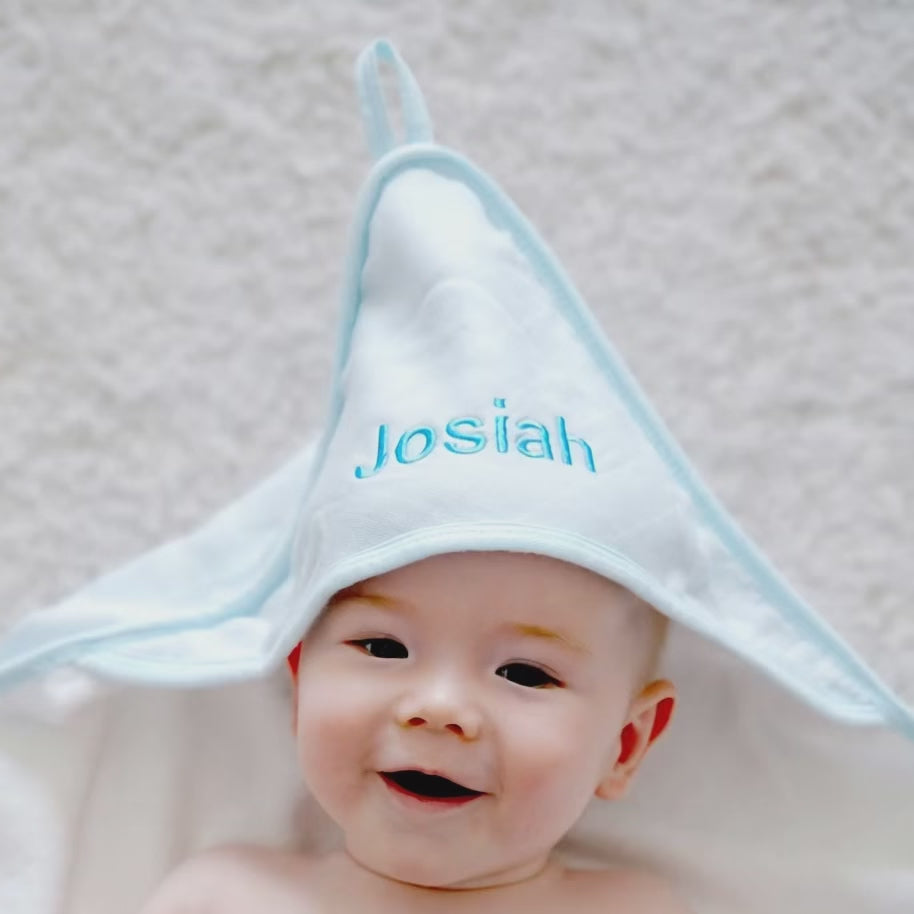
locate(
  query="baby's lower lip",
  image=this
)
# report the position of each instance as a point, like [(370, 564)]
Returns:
[(440, 802)]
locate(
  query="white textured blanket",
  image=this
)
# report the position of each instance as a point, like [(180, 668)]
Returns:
[(739, 173)]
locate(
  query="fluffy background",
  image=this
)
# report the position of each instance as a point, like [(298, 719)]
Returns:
[(729, 184)]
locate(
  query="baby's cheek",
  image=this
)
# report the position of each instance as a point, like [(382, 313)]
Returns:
[(335, 717), (327, 710), (332, 737), (558, 762), (550, 738)]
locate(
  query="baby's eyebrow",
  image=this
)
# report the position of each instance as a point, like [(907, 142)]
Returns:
[(538, 631), (521, 628), (356, 593)]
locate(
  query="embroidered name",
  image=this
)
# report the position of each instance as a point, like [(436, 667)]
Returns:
[(469, 435)]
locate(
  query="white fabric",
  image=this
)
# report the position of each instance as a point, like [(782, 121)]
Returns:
[(104, 790), (777, 810)]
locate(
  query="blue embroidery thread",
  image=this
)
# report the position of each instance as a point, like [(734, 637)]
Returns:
[(523, 444), (406, 437), (469, 437), (452, 429), (566, 446), (360, 472)]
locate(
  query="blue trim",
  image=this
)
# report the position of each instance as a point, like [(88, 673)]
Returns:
[(503, 213), (486, 536), (115, 657)]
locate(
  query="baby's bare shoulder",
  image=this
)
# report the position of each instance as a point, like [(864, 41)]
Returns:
[(634, 890), (234, 879)]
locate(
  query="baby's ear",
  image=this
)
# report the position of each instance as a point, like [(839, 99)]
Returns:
[(293, 660), (648, 717)]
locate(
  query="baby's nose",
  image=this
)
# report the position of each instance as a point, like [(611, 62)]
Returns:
[(440, 712)]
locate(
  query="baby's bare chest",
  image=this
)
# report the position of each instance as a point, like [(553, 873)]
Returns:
[(291, 887), (302, 898), (304, 902)]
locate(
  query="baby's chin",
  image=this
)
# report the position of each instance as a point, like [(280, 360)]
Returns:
[(423, 869), (429, 870)]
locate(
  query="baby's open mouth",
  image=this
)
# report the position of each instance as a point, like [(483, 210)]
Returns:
[(428, 786)]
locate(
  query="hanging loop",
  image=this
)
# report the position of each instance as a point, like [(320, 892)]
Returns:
[(416, 122)]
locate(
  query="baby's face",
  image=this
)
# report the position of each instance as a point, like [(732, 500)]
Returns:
[(510, 675)]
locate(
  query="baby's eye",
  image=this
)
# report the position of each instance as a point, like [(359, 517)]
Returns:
[(388, 648), (526, 674)]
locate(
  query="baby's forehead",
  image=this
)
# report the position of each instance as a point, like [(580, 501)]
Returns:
[(499, 572), (523, 584)]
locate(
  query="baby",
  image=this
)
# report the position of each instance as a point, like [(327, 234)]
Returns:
[(454, 717)]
